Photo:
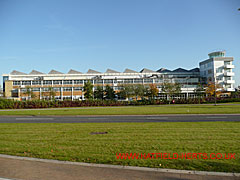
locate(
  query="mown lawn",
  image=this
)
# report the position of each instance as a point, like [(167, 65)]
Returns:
[(131, 110), (74, 142)]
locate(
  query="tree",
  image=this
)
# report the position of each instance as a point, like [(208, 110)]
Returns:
[(140, 91), (200, 91), (127, 91), (99, 93), (152, 91), (29, 93), (170, 89), (109, 93), (213, 89), (88, 90), (52, 93)]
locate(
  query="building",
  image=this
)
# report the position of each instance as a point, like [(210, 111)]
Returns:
[(1, 91), (218, 69), (70, 85)]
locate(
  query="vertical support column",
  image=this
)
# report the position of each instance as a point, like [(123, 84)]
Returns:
[(19, 92), (40, 93), (61, 89), (72, 93)]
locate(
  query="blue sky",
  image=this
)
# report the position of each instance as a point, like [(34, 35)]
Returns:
[(116, 34)]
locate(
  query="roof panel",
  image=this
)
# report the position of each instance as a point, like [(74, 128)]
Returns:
[(163, 70), (91, 71), (111, 71), (71, 71), (180, 70), (129, 71), (194, 70), (34, 72), (14, 72), (54, 72), (145, 70)]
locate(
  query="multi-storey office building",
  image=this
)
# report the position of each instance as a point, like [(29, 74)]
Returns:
[(218, 69), (70, 85)]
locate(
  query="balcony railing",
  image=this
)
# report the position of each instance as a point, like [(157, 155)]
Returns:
[(230, 89), (228, 73), (230, 81), (228, 66)]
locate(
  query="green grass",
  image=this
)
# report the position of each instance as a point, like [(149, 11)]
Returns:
[(74, 142), (132, 110)]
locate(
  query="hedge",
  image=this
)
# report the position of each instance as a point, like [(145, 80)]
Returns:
[(12, 104)]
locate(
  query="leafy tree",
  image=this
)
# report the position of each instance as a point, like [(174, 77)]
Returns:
[(88, 90), (127, 91), (109, 92), (29, 93), (170, 89), (213, 89), (51, 93), (200, 91), (139, 91), (99, 93), (235, 94), (152, 91)]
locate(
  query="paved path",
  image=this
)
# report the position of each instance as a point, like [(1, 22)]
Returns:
[(112, 119), (25, 169)]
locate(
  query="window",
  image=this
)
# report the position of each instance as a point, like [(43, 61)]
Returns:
[(117, 88), (57, 82), (16, 83), (67, 89), (108, 81), (77, 88), (128, 81), (45, 89), (209, 71), (219, 70), (47, 82), (100, 81), (158, 81), (36, 89), (26, 82), (85, 81), (56, 89), (227, 63), (36, 82), (67, 81), (67, 97), (148, 81), (23, 90), (140, 81), (15, 91), (78, 81)]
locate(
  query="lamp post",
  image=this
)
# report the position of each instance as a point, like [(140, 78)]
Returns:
[(215, 94), (187, 78)]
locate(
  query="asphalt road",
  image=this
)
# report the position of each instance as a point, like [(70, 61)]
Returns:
[(118, 119)]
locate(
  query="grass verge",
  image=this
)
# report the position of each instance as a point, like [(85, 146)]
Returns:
[(74, 142), (131, 110)]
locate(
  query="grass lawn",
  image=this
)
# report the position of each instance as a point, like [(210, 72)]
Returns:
[(132, 110), (74, 142)]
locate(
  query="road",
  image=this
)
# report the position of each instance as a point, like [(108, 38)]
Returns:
[(119, 119)]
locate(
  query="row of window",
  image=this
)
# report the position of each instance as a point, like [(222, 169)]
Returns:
[(51, 89), (106, 81)]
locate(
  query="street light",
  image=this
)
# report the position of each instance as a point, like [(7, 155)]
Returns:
[(187, 78), (215, 94)]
